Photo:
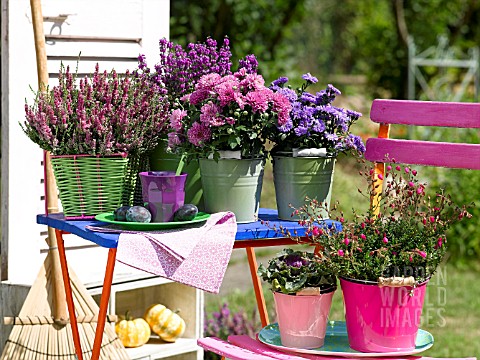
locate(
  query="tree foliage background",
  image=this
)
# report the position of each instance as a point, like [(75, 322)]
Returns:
[(327, 37)]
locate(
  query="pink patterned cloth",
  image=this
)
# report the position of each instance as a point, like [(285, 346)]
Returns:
[(205, 251)]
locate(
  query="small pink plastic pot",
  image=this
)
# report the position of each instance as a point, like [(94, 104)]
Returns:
[(382, 319), (302, 320)]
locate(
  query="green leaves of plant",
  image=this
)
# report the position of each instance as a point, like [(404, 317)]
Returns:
[(290, 276)]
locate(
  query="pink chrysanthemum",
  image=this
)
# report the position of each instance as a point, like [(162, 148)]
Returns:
[(282, 106), (230, 120), (176, 119), (210, 115), (173, 140), (253, 82), (241, 73), (259, 99), (208, 82), (199, 134), (198, 96), (228, 92)]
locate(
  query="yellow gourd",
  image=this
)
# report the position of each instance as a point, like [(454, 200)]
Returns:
[(132, 333), (164, 322)]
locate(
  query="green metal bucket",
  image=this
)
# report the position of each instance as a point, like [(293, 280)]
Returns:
[(295, 178), (233, 185), (161, 160)]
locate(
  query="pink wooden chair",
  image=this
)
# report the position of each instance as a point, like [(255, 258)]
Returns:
[(242, 347), (445, 154), (429, 153)]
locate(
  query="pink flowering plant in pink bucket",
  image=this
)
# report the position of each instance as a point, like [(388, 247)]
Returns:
[(404, 235), (101, 114), (228, 112)]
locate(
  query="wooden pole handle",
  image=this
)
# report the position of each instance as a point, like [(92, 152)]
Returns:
[(60, 312)]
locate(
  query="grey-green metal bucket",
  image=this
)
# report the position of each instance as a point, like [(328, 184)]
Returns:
[(298, 177), (233, 185), (161, 160)]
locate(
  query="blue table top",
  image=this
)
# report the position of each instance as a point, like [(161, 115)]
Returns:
[(249, 231)]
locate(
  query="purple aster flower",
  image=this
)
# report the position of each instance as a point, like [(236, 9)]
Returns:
[(342, 120), (331, 137), (280, 81), (297, 110), (289, 93), (357, 143), (286, 127), (354, 115), (332, 90), (300, 131), (318, 126), (307, 98), (309, 78)]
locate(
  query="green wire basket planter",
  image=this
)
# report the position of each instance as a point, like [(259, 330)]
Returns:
[(88, 184), (132, 191)]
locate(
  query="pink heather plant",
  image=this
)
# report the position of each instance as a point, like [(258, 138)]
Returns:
[(100, 115), (228, 112)]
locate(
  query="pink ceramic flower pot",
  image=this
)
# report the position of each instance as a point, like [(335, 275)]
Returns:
[(382, 319), (302, 320)]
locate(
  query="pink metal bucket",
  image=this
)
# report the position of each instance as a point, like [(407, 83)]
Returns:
[(382, 319), (302, 320)]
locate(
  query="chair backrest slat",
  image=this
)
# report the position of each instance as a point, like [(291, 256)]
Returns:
[(450, 155), (426, 113), (414, 152)]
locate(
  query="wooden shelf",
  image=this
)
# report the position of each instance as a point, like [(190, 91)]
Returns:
[(136, 293), (157, 349)]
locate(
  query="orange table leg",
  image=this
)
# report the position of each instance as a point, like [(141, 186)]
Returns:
[(257, 286), (102, 315), (68, 294)]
